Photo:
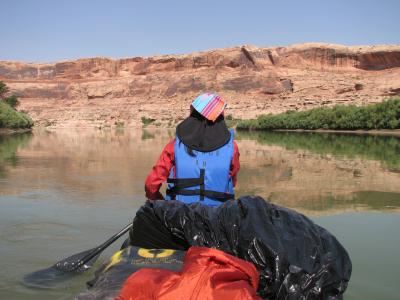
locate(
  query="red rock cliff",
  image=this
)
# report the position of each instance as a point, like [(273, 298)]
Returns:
[(104, 92)]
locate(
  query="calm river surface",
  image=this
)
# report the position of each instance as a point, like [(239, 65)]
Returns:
[(65, 191)]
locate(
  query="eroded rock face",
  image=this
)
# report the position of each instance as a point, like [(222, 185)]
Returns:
[(104, 92)]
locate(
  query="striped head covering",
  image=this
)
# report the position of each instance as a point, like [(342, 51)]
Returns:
[(209, 105)]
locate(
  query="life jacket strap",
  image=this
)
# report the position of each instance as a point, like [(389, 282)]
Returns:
[(184, 182), (180, 185), (218, 196), (202, 173)]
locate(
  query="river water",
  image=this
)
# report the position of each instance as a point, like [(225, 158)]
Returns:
[(66, 191)]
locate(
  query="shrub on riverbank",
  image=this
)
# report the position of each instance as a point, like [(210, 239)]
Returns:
[(12, 101), (384, 115), (10, 118), (147, 121)]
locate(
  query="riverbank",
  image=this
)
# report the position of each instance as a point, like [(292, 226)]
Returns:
[(387, 132)]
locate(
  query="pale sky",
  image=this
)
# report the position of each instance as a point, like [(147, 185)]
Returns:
[(52, 30)]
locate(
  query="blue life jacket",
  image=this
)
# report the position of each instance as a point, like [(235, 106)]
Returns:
[(203, 176)]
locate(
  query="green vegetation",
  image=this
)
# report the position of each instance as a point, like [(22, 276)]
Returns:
[(3, 90), (147, 121), (384, 115), (9, 117), (385, 149), (12, 101)]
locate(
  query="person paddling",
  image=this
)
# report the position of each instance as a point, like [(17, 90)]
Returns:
[(202, 162)]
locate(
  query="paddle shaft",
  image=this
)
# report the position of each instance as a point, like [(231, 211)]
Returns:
[(101, 248)]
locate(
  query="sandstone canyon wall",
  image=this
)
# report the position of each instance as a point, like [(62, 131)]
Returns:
[(105, 92)]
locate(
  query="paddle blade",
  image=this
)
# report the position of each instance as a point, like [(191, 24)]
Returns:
[(62, 270), (70, 264)]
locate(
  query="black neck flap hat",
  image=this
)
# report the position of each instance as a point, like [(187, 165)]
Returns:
[(205, 129)]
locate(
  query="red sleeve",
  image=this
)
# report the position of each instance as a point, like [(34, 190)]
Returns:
[(160, 172), (235, 165)]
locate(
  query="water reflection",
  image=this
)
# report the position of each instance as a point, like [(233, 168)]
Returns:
[(9, 145), (82, 165), (321, 173), (146, 135), (317, 174), (356, 201), (385, 149)]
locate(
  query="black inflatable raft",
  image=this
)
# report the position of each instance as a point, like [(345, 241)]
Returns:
[(110, 277)]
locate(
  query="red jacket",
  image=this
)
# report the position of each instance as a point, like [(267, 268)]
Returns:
[(166, 161), (206, 274)]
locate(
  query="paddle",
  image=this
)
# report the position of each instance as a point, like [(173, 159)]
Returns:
[(67, 267)]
